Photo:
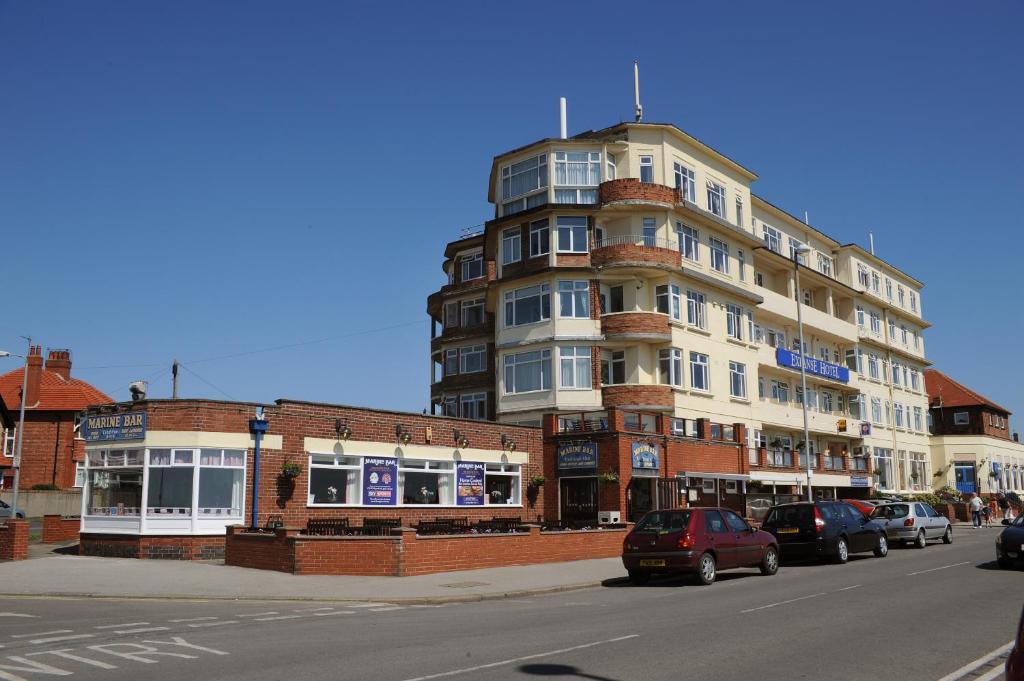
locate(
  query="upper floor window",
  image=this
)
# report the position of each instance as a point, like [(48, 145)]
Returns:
[(917, 419), (670, 367), (575, 367), (738, 380), (685, 182), (863, 277), (913, 301), (915, 379), (699, 377), (892, 331), (572, 234), (689, 241), (741, 263), (903, 330), (540, 238), (613, 367), (794, 246), (472, 358), (472, 267), (522, 178), (473, 406), (873, 366), (874, 281), (609, 164), (528, 371), (734, 321), (527, 305), (451, 362), (8, 443), (772, 238), (650, 227), (825, 265), (860, 316), (473, 312), (647, 169), (668, 300), (716, 198), (739, 211), (876, 323), (696, 309), (876, 410), (888, 288), (451, 315), (719, 255), (961, 418), (574, 299), (511, 245), (577, 168)]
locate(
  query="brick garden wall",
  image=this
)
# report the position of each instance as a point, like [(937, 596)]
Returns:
[(152, 547), (58, 528), (14, 540)]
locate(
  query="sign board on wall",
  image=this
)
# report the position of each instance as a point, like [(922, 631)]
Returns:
[(577, 455), (859, 481), (812, 365), (110, 427), (469, 484), (645, 456), (380, 481)]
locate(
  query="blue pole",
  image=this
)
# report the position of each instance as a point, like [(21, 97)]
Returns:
[(257, 427)]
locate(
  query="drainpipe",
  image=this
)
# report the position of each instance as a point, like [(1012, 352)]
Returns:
[(257, 426)]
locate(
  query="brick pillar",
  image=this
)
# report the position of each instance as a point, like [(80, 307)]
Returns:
[(14, 540), (703, 429), (740, 436)]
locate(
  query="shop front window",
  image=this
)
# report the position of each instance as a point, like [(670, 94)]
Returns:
[(221, 481), (426, 483), (333, 480), (115, 492), (171, 475), (501, 484)]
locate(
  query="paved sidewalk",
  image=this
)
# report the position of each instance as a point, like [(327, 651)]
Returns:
[(75, 576)]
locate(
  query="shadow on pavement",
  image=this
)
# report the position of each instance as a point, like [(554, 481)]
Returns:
[(815, 562), (675, 581), (993, 565), (560, 670)]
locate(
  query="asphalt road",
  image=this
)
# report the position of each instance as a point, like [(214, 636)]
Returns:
[(916, 615)]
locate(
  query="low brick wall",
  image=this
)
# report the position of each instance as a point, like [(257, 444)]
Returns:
[(60, 528), (14, 540), (153, 548), (406, 554)]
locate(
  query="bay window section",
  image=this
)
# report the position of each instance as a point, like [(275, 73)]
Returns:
[(574, 299), (577, 174), (527, 372), (522, 184), (575, 367), (540, 238), (221, 481), (472, 267), (613, 367), (668, 300), (114, 483), (670, 367), (426, 483), (170, 482), (333, 480), (572, 234), (502, 484), (527, 305), (473, 406)]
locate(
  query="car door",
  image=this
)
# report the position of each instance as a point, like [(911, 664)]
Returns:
[(922, 521), (856, 527), (719, 538), (938, 522), (748, 549)]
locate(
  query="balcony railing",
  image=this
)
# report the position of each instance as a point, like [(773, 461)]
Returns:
[(636, 240)]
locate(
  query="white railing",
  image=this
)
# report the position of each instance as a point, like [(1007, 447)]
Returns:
[(636, 240)]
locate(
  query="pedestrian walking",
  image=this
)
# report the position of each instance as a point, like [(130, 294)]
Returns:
[(975, 506), (986, 515), (1004, 505)]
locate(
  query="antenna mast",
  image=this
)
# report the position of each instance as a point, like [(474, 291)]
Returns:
[(639, 109)]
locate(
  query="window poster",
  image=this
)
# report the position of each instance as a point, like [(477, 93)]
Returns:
[(469, 484), (380, 481)]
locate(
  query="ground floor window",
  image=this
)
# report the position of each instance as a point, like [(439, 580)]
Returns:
[(501, 483), (333, 479), (115, 492), (883, 468), (427, 483)]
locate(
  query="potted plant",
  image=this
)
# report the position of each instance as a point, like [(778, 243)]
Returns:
[(609, 477), (290, 470), (537, 481)]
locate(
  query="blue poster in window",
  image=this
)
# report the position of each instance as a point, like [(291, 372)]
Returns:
[(645, 456), (469, 484), (380, 481)]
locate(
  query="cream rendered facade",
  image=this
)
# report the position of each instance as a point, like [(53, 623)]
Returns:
[(729, 306), (984, 451)]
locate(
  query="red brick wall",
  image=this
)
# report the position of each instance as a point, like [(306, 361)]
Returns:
[(632, 189), (625, 395), (49, 449), (635, 322), (978, 425), (621, 253), (14, 540), (151, 547), (58, 528)]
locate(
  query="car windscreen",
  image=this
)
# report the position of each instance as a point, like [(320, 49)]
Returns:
[(891, 511), (663, 521), (783, 516)]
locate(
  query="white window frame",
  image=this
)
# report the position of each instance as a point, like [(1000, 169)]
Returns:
[(577, 293), (467, 261), (570, 228), (540, 238), (689, 241), (738, 380), (700, 366), (825, 264), (80, 474), (476, 404), (515, 202), (468, 351), (717, 191), (686, 181), (511, 245), (512, 297), (464, 307), (772, 238), (696, 309), (719, 255), (668, 300), (575, 368), (647, 161), (670, 367), (961, 418), (734, 321), (543, 357)]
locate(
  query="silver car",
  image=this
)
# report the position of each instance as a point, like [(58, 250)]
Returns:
[(912, 522)]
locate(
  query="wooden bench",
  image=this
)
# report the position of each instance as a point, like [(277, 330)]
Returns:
[(327, 527)]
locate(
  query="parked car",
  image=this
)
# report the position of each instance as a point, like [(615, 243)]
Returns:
[(5, 511), (865, 506), (913, 522), (824, 529), (1015, 662), (1010, 543), (698, 541)]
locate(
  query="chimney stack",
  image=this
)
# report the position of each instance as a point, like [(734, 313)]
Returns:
[(34, 367), (59, 362)]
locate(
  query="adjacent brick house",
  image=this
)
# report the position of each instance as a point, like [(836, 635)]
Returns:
[(51, 454)]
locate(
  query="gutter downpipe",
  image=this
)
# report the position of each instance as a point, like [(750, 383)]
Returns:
[(257, 426)]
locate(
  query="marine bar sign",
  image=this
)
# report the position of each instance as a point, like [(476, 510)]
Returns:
[(791, 360), (576, 455), (107, 427)]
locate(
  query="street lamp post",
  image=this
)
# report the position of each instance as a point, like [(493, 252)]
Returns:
[(21, 430), (797, 252)]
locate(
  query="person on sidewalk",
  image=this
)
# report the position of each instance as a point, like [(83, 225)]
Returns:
[(1004, 505), (975, 506)]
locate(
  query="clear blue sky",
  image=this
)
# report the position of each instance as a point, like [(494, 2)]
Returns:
[(197, 179)]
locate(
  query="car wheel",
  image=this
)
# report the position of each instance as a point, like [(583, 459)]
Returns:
[(637, 578), (1004, 563), (770, 563), (882, 547), (947, 538), (920, 541), (842, 550), (706, 569)]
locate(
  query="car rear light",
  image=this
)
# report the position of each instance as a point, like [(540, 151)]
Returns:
[(819, 522), (909, 522), (685, 541)]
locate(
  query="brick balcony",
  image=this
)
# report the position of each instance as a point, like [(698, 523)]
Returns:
[(631, 191), (650, 326), (651, 397)]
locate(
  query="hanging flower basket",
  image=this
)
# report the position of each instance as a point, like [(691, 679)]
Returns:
[(290, 470), (609, 477)]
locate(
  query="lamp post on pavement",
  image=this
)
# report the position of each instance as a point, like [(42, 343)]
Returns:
[(21, 428), (797, 252)]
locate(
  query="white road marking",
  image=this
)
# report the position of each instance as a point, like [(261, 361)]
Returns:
[(66, 653), (439, 605), (53, 639), (772, 605), (279, 617), (213, 624), (369, 605), (998, 671), (257, 614), (984, 659), (308, 610), (393, 607), (42, 633), (549, 653), (847, 588), (336, 612), (192, 619), (921, 572), (17, 614), (126, 624), (141, 630)]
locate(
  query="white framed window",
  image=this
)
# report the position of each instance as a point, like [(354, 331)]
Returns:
[(685, 182), (511, 245), (917, 339), (876, 411), (472, 266), (876, 323), (913, 301), (451, 315), (473, 312), (520, 179), (903, 330), (794, 246), (825, 265), (734, 321), (689, 241), (961, 418), (79, 474), (613, 367), (670, 367), (450, 406), (574, 299), (527, 305), (696, 309), (708, 485), (472, 358), (772, 238), (502, 482), (826, 401), (699, 376), (888, 288), (875, 279), (892, 330), (647, 169), (577, 168), (863, 277), (650, 232), (716, 198), (897, 408), (915, 379), (741, 264), (901, 295), (426, 483), (540, 238), (9, 443), (760, 387), (572, 234), (897, 375), (719, 255), (917, 419), (574, 367), (739, 211), (527, 372), (473, 406), (860, 316), (780, 391), (609, 166), (668, 300), (738, 380), (451, 362), (873, 370)]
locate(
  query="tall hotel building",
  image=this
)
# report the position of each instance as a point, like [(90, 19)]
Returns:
[(633, 267)]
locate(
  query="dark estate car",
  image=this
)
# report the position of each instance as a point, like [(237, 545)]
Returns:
[(697, 541), (1010, 543), (824, 529)]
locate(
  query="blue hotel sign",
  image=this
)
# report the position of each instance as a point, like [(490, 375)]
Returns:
[(110, 427), (577, 455), (817, 367)]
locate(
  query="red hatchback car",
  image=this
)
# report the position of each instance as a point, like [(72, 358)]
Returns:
[(699, 541)]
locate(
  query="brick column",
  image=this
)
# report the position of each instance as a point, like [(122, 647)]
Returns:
[(14, 540)]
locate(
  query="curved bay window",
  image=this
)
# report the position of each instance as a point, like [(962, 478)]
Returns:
[(115, 483), (221, 481), (170, 481)]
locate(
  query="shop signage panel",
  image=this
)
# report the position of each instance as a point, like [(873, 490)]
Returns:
[(859, 481), (577, 455), (380, 481), (110, 427), (469, 484), (645, 456), (812, 365)]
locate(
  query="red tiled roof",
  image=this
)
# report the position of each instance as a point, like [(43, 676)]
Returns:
[(56, 393), (955, 394)]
